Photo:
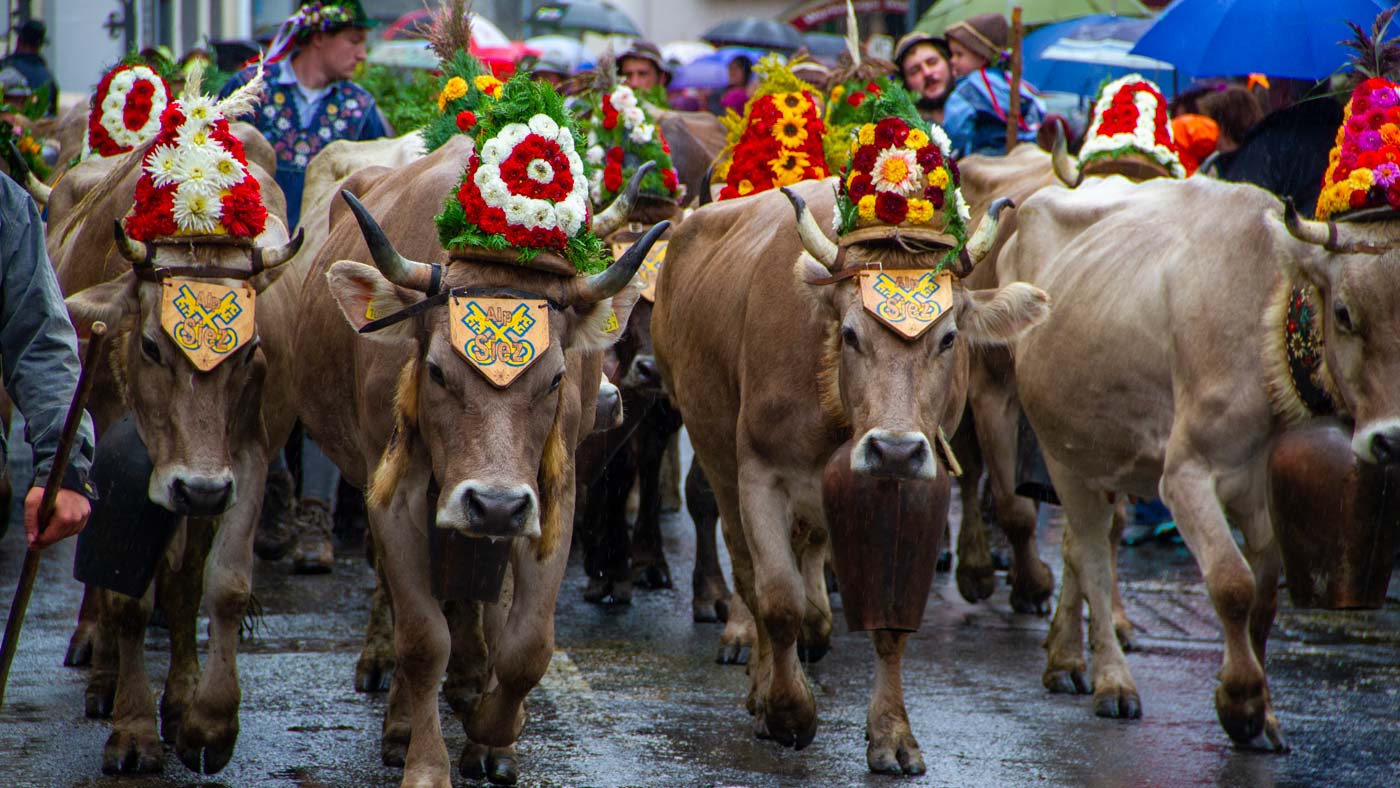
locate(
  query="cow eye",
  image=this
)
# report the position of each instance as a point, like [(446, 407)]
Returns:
[(947, 340), (251, 351), (435, 372), (848, 335), (1343, 316), (150, 348), (554, 384)]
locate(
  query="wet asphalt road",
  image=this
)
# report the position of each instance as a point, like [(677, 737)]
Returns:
[(634, 698)]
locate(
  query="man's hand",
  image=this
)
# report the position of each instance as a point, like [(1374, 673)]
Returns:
[(70, 514)]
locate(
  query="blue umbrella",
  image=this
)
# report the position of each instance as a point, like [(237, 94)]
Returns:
[(1299, 39), (1079, 55), (711, 72)]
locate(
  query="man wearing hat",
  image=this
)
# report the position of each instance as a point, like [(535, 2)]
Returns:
[(975, 115), (26, 60), (308, 102), (922, 61), (642, 68)]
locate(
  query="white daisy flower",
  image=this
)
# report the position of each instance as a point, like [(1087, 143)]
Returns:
[(495, 151), (544, 126), (199, 111), (161, 164), (196, 210), (225, 170), (113, 102), (958, 200), (196, 170), (623, 98), (123, 81), (565, 140), (516, 212), (633, 116), (570, 216), (541, 214), (897, 170), (595, 154), (643, 133), (283, 124), (539, 171), (513, 134)]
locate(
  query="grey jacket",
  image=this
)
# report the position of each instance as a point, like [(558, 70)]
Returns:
[(38, 347)]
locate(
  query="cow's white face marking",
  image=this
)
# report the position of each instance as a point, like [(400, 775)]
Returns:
[(886, 453), (481, 509), (162, 488)]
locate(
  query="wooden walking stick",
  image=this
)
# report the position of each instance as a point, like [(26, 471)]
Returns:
[(1013, 113), (46, 504)]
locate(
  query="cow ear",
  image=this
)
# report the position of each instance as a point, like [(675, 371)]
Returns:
[(110, 302), (601, 324), (364, 295), (999, 316), (808, 270)]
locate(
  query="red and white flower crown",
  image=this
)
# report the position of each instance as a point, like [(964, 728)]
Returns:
[(126, 111), (1130, 121), (195, 179)]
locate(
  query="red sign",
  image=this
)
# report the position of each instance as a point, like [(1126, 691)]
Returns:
[(821, 11)]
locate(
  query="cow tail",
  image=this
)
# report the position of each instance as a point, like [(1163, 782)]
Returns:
[(393, 464)]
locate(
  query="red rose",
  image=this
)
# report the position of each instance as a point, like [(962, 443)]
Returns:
[(668, 179), (172, 117), (665, 146), (936, 197), (865, 158), (891, 208), (855, 99), (466, 119), (930, 157), (615, 155), (890, 132), (612, 177), (1358, 198), (873, 88), (861, 185), (1392, 195)]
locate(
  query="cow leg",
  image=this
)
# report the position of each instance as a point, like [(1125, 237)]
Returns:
[(975, 575), (133, 746), (101, 691), (179, 593), (1065, 668), (606, 539), (1121, 624), (740, 632), (375, 668), (787, 711), (79, 652), (709, 593), (468, 673), (811, 545), (891, 747), (210, 727), (648, 557), (1265, 559), (1087, 553)]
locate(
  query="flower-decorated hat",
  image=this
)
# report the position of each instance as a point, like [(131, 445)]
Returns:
[(317, 16), (1363, 170), (1129, 133), (524, 192), (125, 111), (901, 175), (622, 134), (467, 86), (778, 141), (195, 181)]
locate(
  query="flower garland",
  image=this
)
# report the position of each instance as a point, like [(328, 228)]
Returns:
[(195, 178), (1363, 168), (126, 110), (778, 142), (843, 116), (524, 187), (621, 135), (467, 89), (1130, 117)]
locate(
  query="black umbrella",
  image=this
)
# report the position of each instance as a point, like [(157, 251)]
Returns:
[(754, 32), (594, 15)]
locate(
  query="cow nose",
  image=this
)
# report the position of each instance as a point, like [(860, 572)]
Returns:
[(609, 412), (202, 497), (897, 456), (647, 373), (496, 512), (1385, 448)]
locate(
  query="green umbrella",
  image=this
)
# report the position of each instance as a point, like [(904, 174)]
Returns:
[(1034, 12)]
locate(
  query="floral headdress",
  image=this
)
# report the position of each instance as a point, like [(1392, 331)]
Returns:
[(901, 174), (1363, 170), (467, 86), (622, 134), (126, 110), (778, 141), (524, 187), (195, 180), (314, 17), (844, 116), (1130, 125)]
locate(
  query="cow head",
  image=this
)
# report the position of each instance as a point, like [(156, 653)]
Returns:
[(190, 420), (1357, 273), (499, 454), (892, 392)]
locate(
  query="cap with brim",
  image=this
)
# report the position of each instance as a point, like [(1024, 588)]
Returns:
[(911, 40), (983, 35), (645, 50)]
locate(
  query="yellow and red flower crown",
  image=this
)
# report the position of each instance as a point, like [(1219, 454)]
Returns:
[(778, 141), (1363, 169)]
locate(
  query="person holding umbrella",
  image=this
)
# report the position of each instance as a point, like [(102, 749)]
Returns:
[(975, 115), (923, 66)]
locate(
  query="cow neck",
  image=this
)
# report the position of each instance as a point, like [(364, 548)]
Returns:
[(1300, 384)]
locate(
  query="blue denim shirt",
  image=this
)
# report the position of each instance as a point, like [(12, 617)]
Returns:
[(975, 115)]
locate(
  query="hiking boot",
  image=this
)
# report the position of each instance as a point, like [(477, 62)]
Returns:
[(314, 554), (273, 538)]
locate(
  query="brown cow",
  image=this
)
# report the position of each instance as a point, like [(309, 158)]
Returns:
[(209, 434), (1163, 369), (772, 374), (513, 479)]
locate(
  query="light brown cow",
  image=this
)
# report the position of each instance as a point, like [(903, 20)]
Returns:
[(512, 479), (209, 435), (772, 374), (1162, 370)]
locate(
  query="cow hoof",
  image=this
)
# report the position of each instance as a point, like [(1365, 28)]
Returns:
[(732, 654), (393, 746), (173, 705), (502, 769), (206, 749), (1122, 704), (132, 753), (653, 575), (79, 653), (1245, 716), (790, 727), (99, 698), (945, 561), (1031, 588), (373, 673), (1127, 637), (475, 761), (811, 652), (975, 583), (895, 755), (1030, 602), (601, 591), (704, 611), (1066, 682)]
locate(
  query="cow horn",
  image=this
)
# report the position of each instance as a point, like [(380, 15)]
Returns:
[(136, 252), (396, 268), (609, 282), (813, 239), (981, 241), (1059, 158), (271, 258), (1327, 234), (615, 215), (38, 189), (707, 194)]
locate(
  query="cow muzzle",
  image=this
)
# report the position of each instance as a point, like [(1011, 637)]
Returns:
[(191, 493), (1378, 443), (643, 376), (493, 511), (894, 455), (608, 412)]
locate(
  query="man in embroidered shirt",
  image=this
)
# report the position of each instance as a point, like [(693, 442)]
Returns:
[(309, 102), (975, 115)]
